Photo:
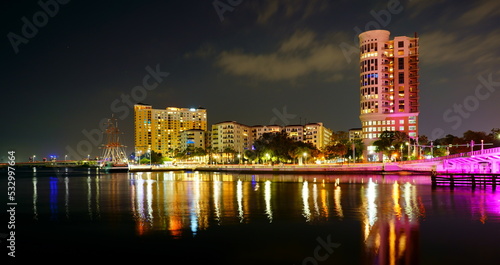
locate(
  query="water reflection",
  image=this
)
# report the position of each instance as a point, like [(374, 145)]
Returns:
[(390, 209), (305, 201), (391, 234), (239, 199), (53, 198), (337, 195), (35, 198), (267, 196), (93, 196), (180, 202)]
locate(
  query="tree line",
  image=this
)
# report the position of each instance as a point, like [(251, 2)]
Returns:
[(278, 147)]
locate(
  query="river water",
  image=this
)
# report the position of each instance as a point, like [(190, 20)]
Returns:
[(221, 218)]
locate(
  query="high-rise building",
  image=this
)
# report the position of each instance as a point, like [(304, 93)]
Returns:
[(388, 86), (160, 130)]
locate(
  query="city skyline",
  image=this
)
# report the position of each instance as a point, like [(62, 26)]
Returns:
[(68, 65)]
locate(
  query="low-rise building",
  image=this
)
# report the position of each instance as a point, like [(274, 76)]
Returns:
[(192, 139), (355, 134), (317, 134), (231, 135)]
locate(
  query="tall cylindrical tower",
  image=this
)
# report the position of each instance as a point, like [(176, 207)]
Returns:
[(388, 87)]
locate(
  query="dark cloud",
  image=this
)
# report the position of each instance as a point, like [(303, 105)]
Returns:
[(298, 56)]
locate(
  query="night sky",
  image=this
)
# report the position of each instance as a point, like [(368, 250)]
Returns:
[(254, 62)]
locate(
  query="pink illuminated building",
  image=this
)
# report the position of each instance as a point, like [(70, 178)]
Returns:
[(388, 86)]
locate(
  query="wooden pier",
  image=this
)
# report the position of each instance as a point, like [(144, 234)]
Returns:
[(465, 179)]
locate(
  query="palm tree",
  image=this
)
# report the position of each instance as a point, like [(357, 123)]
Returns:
[(299, 151), (384, 143), (358, 148), (399, 141), (229, 152), (251, 155)]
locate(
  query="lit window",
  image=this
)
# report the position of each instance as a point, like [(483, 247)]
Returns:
[(401, 121)]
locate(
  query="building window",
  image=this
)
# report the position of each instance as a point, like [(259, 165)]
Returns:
[(401, 44)]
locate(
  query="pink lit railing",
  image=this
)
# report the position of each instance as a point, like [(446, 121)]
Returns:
[(467, 154)]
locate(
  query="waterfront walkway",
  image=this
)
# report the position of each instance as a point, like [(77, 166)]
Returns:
[(287, 168), (485, 161)]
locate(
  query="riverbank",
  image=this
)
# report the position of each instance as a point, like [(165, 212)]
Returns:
[(362, 168), (358, 168)]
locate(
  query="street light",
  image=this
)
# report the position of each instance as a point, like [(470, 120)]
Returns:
[(401, 152), (409, 147), (65, 157), (34, 158), (305, 158), (149, 153)]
